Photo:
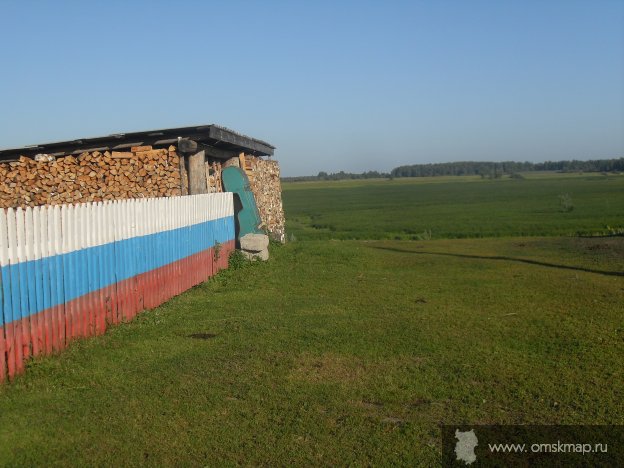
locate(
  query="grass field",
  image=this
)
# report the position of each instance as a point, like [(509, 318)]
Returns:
[(348, 352), (454, 207)]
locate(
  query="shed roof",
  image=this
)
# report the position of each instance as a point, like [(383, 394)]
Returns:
[(215, 136)]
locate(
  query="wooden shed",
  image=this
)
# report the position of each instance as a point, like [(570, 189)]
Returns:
[(155, 163)]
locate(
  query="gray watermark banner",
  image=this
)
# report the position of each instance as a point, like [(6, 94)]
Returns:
[(532, 445)]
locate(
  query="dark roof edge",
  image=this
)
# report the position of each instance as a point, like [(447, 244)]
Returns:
[(212, 135)]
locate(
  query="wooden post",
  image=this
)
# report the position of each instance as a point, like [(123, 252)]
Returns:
[(183, 176), (197, 173)]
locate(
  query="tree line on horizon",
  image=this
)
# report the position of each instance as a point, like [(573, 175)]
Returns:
[(479, 168)]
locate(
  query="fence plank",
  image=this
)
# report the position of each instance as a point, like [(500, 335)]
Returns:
[(86, 236), (117, 265), (31, 283), (81, 273), (40, 217), (5, 302), (122, 261), (70, 283), (96, 210), (12, 330), (134, 219), (119, 284), (55, 268), (24, 321)]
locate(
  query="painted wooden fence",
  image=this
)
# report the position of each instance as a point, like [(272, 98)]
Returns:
[(69, 271)]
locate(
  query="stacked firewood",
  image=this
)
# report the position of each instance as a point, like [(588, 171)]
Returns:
[(141, 172), (213, 177), (264, 179)]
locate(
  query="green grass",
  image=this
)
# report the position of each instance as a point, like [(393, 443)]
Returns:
[(337, 353), (454, 207), (354, 352)]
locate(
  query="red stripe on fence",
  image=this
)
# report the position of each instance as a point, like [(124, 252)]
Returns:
[(2, 355)]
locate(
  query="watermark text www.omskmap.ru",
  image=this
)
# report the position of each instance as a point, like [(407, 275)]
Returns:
[(532, 445), (558, 447)]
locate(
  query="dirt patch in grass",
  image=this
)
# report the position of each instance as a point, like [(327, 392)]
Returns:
[(332, 367), (201, 336), (609, 245), (588, 250)]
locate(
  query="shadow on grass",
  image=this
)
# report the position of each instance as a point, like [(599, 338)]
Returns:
[(506, 259)]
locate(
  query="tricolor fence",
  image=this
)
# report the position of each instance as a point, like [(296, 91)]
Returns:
[(70, 271)]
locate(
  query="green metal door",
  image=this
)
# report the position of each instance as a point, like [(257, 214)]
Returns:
[(247, 217)]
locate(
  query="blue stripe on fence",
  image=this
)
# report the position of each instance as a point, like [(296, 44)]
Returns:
[(7, 300), (127, 258)]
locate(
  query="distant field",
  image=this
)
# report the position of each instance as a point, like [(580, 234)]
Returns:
[(454, 207)]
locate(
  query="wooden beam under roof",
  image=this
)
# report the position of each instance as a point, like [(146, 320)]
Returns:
[(224, 143)]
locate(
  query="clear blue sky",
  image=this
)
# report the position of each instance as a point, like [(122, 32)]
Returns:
[(334, 85)]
